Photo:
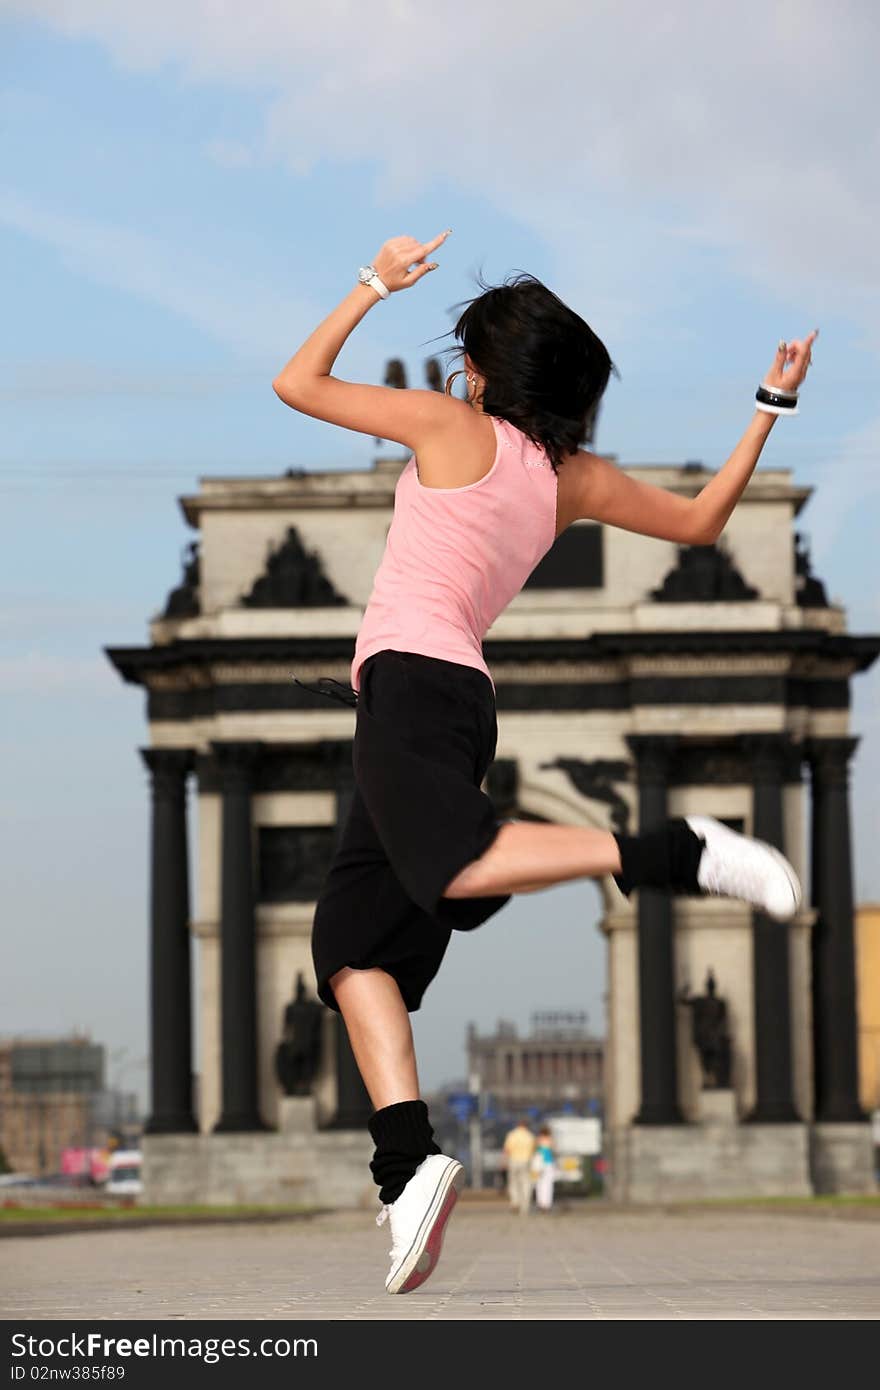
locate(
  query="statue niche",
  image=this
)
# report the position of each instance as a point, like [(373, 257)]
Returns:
[(298, 1054), (710, 1034)]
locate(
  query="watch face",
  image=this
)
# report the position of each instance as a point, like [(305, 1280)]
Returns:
[(365, 274)]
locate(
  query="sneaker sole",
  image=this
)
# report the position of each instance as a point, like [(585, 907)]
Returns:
[(421, 1259), (793, 883)]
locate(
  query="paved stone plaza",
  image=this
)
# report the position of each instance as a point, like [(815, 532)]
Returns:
[(584, 1264)]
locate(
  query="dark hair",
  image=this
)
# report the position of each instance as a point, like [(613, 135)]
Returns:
[(545, 369)]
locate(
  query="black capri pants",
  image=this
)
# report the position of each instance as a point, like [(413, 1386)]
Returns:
[(425, 736)]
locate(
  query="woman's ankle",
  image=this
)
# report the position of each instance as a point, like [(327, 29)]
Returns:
[(404, 1138), (665, 859)]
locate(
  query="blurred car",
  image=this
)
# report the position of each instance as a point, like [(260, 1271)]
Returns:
[(124, 1175)]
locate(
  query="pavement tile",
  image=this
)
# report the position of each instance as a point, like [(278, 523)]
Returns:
[(586, 1264)]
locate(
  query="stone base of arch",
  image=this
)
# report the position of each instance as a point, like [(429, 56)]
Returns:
[(699, 1162), (842, 1157)]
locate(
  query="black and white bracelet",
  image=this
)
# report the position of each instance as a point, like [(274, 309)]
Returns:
[(774, 400)]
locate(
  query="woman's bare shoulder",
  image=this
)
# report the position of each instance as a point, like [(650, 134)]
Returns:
[(595, 488), (460, 451), (576, 476)]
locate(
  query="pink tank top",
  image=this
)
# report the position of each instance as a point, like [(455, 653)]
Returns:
[(455, 557)]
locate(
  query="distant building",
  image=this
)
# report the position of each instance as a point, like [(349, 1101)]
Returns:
[(868, 977), (559, 1065), (52, 1097)]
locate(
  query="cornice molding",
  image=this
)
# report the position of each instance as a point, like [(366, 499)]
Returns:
[(857, 652), (373, 488)]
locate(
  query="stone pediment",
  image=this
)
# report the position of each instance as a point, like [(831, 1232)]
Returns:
[(293, 578), (704, 574)]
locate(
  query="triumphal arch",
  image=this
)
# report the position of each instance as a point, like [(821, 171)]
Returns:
[(635, 680)]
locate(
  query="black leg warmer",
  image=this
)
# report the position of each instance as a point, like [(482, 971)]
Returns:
[(403, 1137), (667, 858)]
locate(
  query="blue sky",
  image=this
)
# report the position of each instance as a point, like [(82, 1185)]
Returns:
[(185, 191)]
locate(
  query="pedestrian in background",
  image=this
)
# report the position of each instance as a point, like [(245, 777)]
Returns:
[(519, 1149), (544, 1169)]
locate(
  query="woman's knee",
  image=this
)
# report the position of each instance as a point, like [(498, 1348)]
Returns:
[(351, 984), (469, 882), (338, 979)]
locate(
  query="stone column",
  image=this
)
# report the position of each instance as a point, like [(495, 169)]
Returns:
[(171, 1108), (835, 1028), (770, 944), (238, 942), (659, 1060)]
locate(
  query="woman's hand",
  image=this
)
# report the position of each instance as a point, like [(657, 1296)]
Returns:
[(393, 263), (791, 363)]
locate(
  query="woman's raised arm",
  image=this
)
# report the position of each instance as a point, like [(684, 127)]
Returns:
[(592, 487), (411, 418)]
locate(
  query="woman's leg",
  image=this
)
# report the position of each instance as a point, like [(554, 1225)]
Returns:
[(523, 1189), (696, 855), (525, 857), (381, 1038), (380, 1034), (544, 1189)]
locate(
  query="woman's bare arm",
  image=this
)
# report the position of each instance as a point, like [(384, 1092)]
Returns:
[(412, 418), (595, 488), (592, 487), (714, 504)]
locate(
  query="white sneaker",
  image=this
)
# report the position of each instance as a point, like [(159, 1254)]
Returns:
[(418, 1220), (734, 866)]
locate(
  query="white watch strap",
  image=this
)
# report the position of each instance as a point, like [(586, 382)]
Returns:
[(378, 285), (776, 409)]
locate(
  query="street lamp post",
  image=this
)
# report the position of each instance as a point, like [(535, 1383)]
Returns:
[(476, 1131)]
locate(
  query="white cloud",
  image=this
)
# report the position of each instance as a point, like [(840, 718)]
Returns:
[(250, 314), (72, 379), (750, 128), (849, 479), (230, 154)]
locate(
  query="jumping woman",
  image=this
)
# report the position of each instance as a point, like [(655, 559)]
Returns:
[(492, 481)]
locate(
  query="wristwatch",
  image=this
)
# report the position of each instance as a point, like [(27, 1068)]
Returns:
[(367, 276)]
